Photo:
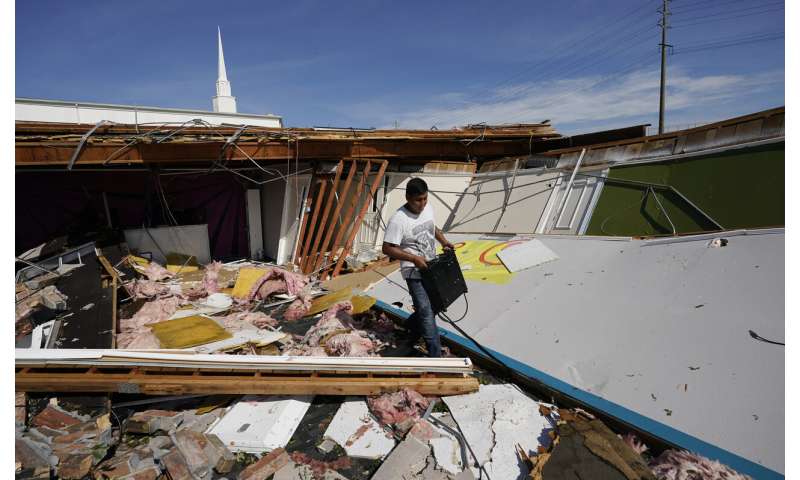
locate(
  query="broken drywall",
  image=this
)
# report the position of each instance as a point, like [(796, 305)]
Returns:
[(494, 420)]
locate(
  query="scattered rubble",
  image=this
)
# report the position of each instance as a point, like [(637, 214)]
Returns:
[(266, 466), (504, 428)]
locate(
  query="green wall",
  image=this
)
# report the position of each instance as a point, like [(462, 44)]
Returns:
[(742, 188)]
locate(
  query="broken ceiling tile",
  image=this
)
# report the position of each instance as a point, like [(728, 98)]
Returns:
[(354, 429), (257, 424)]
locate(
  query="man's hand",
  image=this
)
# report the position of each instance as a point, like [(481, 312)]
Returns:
[(443, 241), (420, 262)]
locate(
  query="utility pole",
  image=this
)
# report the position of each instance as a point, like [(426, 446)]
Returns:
[(664, 25)]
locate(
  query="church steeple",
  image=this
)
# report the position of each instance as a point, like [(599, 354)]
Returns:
[(223, 101)]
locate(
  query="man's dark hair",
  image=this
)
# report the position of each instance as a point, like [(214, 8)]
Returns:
[(416, 186)]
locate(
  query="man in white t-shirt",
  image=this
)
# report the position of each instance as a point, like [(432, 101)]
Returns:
[(409, 237)]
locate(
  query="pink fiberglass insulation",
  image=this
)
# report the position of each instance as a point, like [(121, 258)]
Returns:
[(299, 307), (350, 345), (211, 276), (155, 272), (135, 331), (270, 287), (147, 289), (397, 407), (335, 319), (634, 442), (242, 320), (291, 283), (335, 335), (300, 350), (137, 340), (683, 465)]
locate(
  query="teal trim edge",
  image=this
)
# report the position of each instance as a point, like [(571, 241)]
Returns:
[(657, 429)]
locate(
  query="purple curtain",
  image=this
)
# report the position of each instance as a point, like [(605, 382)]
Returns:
[(52, 204)]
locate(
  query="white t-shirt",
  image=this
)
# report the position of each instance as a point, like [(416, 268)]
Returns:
[(413, 233)]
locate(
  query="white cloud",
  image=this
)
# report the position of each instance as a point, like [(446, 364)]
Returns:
[(590, 102)]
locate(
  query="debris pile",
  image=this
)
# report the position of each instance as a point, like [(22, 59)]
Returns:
[(234, 295), (247, 308), (584, 447), (72, 442), (336, 334)]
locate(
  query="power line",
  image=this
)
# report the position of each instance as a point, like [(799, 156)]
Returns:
[(757, 7), (704, 5), (730, 43), (639, 62), (597, 55), (550, 60), (724, 18), (536, 82)]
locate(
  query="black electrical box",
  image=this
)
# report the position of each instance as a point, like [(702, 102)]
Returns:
[(443, 281)]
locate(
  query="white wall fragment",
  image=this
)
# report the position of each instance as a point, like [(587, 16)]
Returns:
[(495, 419), (261, 423), (354, 429)]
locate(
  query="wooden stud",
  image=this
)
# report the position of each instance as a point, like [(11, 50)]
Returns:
[(114, 323), (339, 203), (349, 213), (360, 218), (323, 221), (175, 383), (313, 223)]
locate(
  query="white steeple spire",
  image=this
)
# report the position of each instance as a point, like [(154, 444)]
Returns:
[(223, 101)]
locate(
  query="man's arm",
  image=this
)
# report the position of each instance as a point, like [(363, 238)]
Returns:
[(397, 253), (443, 241)]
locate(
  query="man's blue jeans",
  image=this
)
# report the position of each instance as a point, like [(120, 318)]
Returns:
[(423, 322)]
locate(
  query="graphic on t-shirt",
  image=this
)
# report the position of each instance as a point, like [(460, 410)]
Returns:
[(424, 239)]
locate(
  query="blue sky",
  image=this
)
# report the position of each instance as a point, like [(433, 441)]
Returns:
[(585, 65)]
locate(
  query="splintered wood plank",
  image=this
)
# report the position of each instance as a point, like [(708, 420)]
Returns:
[(170, 383)]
